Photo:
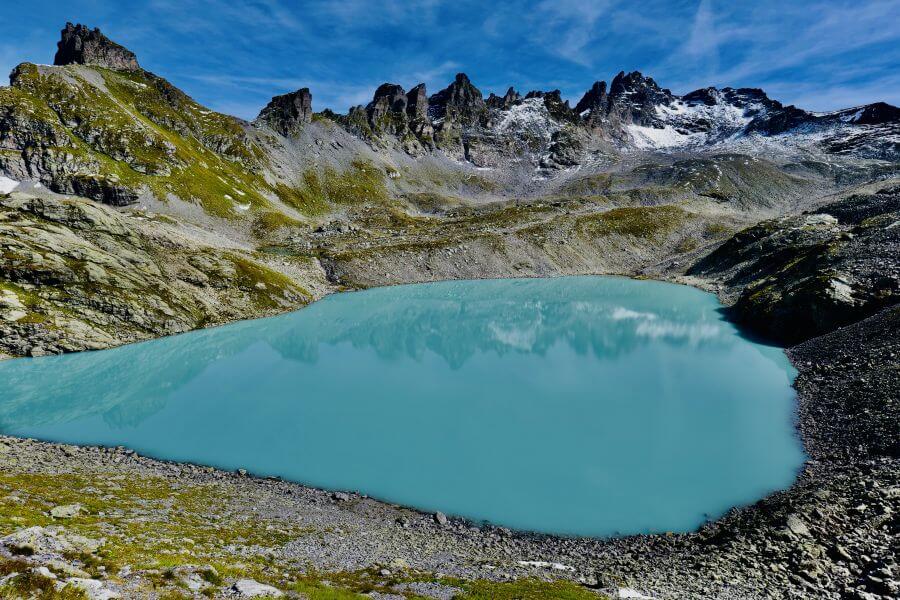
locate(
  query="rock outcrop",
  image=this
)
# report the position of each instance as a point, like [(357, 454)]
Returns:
[(288, 113), (82, 46), (633, 98), (506, 101), (805, 275), (387, 110), (417, 103), (83, 276), (594, 105), (460, 102)]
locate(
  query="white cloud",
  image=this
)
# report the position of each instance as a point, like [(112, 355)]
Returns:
[(567, 27)]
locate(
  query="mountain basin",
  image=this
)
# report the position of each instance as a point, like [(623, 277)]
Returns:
[(589, 406)]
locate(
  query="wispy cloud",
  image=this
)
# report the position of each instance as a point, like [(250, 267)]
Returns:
[(568, 28), (816, 53)]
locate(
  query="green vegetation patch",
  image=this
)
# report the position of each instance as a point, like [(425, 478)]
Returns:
[(644, 222)]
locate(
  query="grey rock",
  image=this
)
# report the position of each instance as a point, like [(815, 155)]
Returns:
[(460, 102), (288, 113), (83, 46), (249, 588), (66, 511)]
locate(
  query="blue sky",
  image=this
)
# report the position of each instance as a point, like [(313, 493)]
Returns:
[(233, 55)]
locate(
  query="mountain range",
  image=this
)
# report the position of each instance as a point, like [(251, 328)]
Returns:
[(411, 187), (122, 126)]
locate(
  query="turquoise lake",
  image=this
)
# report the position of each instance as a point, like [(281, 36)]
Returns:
[(580, 405)]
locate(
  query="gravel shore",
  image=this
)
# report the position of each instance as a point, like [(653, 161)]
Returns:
[(832, 535)]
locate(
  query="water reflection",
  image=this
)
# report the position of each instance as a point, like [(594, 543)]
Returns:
[(452, 320), (575, 405)]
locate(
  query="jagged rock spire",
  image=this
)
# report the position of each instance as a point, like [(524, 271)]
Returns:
[(634, 98), (417, 103), (506, 101), (387, 110), (460, 101), (83, 46), (287, 113)]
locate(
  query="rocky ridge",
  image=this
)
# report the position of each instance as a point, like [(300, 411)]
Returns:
[(82, 46)]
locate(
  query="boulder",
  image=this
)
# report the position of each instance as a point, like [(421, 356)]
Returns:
[(249, 588), (66, 511)]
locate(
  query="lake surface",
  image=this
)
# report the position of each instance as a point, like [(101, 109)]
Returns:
[(580, 405)]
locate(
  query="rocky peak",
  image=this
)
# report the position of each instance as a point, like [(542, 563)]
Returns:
[(387, 110), (83, 46), (287, 113), (595, 100), (511, 98), (635, 84), (417, 103), (709, 96), (874, 114), (460, 101), (390, 96), (634, 98)]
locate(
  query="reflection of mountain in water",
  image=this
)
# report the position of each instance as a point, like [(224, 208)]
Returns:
[(453, 320)]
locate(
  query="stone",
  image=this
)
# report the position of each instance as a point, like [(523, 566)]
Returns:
[(83, 46), (44, 572), (796, 525), (249, 588), (92, 588), (67, 570), (440, 518), (66, 511), (48, 540)]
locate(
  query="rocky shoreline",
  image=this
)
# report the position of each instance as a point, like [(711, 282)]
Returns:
[(832, 535)]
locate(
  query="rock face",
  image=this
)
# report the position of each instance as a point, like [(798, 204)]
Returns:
[(288, 113), (460, 102), (82, 46), (594, 104), (417, 103), (556, 106), (506, 101), (806, 275), (154, 282), (633, 98), (387, 110)]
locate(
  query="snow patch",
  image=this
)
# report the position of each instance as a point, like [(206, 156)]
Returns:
[(530, 117), (647, 138), (546, 565), (7, 185), (632, 593)]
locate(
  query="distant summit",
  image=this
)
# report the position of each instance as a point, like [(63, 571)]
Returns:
[(80, 45)]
